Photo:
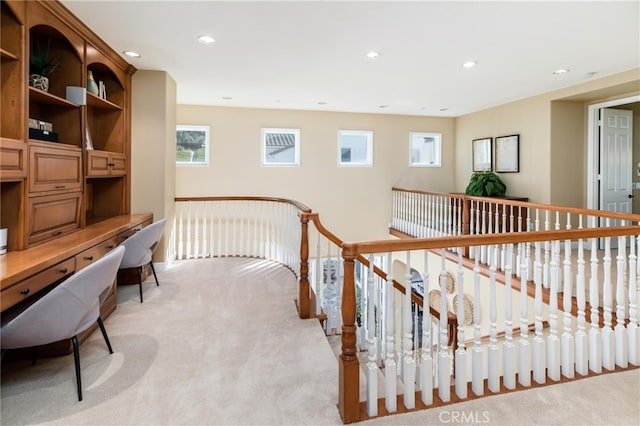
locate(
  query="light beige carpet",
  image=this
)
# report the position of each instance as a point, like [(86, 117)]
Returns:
[(219, 342)]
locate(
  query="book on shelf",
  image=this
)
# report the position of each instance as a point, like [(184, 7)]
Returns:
[(102, 90)]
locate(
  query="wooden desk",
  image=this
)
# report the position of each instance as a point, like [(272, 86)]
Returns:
[(27, 274)]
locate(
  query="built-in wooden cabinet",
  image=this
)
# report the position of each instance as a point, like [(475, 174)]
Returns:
[(105, 164), (79, 173)]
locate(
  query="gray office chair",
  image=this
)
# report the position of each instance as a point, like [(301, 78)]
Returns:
[(140, 247), (66, 311)]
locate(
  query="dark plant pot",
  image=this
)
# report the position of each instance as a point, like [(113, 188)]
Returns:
[(39, 82)]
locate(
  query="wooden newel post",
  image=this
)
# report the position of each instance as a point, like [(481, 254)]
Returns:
[(466, 212), (349, 370), (303, 283)]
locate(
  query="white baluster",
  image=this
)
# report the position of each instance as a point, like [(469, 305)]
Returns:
[(538, 350), (212, 233), (318, 277), (595, 336), (608, 337), (508, 351), (477, 356), (180, 217), (633, 329), (461, 352), (568, 344), (622, 356), (426, 367), (582, 349), (444, 358), (408, 362), (493, 353), (372, 367), (546, 279), (390, 367), (553, 342), (473, 254), (203, 246), (485, 256), (189, 231), (524, 349)]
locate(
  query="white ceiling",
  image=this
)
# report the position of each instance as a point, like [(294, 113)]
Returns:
[(296, 54)]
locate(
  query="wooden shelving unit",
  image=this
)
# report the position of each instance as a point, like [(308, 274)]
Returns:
[(102, 189)]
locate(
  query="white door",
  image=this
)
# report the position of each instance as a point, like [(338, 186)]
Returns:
[(616, 157)]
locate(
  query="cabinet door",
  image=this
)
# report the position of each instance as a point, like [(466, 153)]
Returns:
[(53, 215), (97, 163), (118, 164), (54, 168), (13, 159)]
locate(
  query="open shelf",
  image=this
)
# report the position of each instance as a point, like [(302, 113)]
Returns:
[(46, 98), (97, 102)]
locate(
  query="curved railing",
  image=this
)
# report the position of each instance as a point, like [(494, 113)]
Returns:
[(584, 261)]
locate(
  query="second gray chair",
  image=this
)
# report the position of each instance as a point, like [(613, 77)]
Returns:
[(140, 247)]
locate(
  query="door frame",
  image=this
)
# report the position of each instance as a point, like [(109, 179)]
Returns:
[(593, 133)]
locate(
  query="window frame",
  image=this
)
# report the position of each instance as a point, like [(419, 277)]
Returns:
[(368, 162), (263, 140), (207, 151), (438, 149)]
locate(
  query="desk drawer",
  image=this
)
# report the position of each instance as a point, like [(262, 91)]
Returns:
[(94, 253), (29, 286)]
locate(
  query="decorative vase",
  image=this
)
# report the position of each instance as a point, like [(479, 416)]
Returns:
[(92, 86), (39, 82)]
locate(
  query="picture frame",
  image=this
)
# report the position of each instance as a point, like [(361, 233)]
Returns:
[(508, 154), (482, 155)]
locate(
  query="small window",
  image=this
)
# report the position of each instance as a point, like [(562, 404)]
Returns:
[(425, 150), (280, 147), (192, 145), (355, 148)]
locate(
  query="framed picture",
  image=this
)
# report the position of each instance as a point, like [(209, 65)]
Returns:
[(192, 145), (482, 155), (508, 154)]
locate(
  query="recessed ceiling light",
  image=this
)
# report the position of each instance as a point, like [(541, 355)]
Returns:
[(470, 64), (373, 54), (590, 74), (383, 106), (444, 109), (132, 54), (561, 71), (227, 98), (206, 39), (322, 103)]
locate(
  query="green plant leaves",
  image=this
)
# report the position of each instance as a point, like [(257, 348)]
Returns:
[(486, 184)]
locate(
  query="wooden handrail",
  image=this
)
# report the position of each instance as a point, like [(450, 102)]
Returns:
[(297, 204), (382, 246), (528, 204)]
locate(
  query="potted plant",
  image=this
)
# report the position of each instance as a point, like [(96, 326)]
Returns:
[(41, 65), (486, 184)]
